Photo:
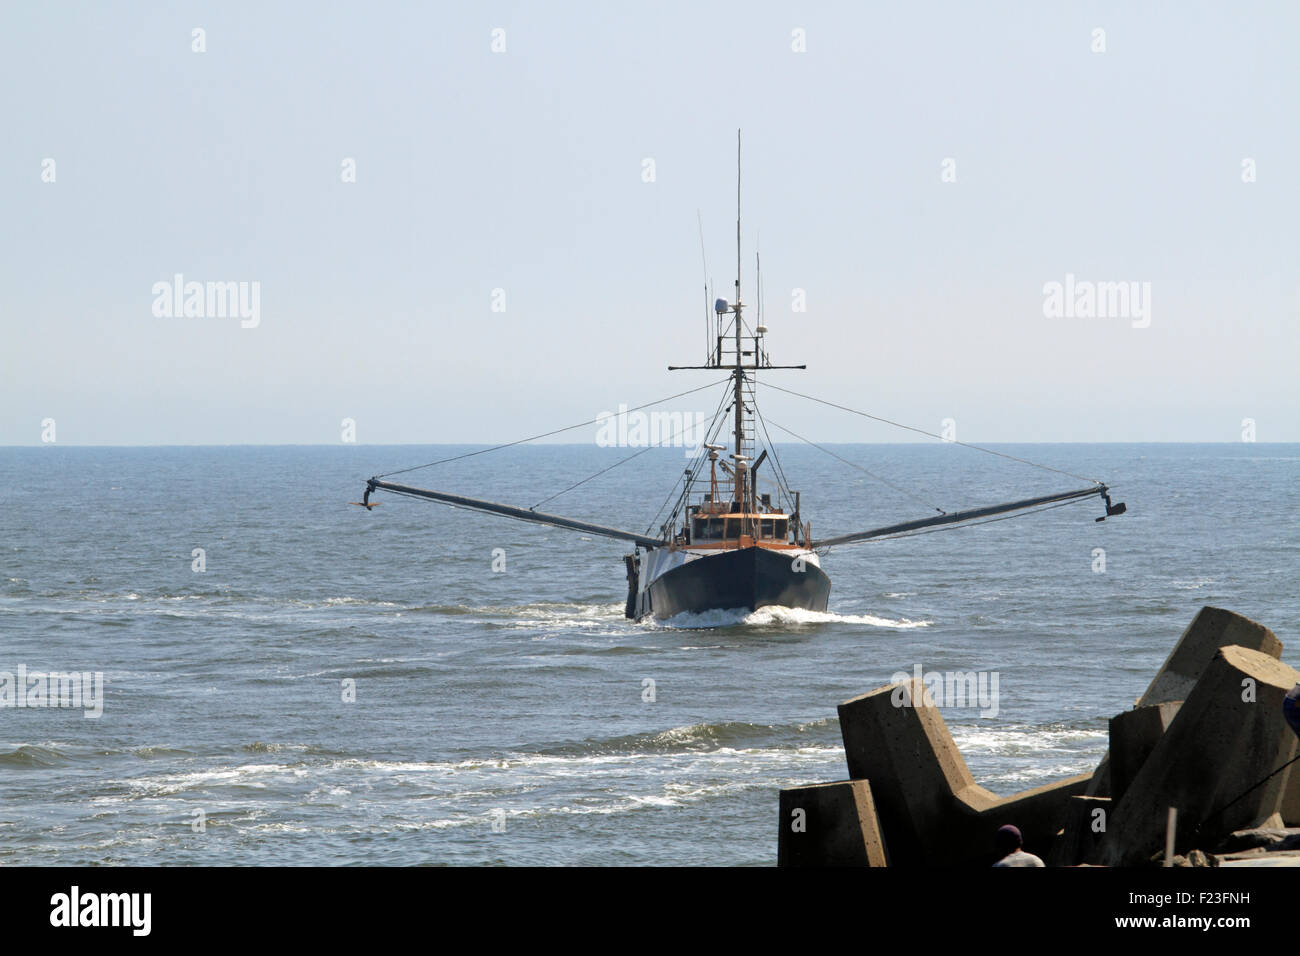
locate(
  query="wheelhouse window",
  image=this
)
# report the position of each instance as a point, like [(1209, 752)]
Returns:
[(707, 529), (718, 529)]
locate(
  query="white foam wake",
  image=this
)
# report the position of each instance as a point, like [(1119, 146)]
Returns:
[(782, 617)]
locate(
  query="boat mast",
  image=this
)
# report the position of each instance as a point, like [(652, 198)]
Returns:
[(744, 438), (738, 375)]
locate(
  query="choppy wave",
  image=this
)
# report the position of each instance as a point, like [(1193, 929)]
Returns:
[(1020, 740), (33, 755), (1192, 585), (58, 753), (289, 790), (701, 737), (678, 767), (258, 747), (477, 779)]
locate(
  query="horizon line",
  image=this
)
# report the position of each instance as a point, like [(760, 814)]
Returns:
[(794, 444)]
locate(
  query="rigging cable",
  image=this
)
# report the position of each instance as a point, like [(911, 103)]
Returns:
[(595, 421), (870, 474), (921, 431), (719, 418), (697, 466), (781, 482), (1219, 812), (621, 461)]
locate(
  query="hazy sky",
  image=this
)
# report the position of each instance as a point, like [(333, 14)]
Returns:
[(525, 171)]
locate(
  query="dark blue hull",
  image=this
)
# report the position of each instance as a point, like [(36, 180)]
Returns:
[(744, 578)]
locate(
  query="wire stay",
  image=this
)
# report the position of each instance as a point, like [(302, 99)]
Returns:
[(568, 428), (922, 431)]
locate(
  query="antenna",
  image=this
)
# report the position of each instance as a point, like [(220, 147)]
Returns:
[(738, 376), (726, 343), (737, 226), (715, 333), (708, 320)]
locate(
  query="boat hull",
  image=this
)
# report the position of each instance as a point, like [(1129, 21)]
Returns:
[(741, 578)]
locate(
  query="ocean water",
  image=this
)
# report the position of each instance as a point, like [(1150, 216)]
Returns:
[(503, 717)]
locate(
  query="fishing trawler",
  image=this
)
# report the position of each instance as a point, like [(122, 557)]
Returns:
[(736, 537)]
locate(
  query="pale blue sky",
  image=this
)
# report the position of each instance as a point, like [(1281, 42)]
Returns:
[(522, 170)]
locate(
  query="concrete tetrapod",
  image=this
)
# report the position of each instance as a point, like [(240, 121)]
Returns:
[(1133, 735), (1211, 629), (931, 811), (830, 824), (1228, 734)]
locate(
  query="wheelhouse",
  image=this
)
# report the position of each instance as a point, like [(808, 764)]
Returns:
[(708, 528)]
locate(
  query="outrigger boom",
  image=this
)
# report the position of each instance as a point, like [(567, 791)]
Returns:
[(523, 514), (645, 541), (972, 514)]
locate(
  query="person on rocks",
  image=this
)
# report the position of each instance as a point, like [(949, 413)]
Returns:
[(1009, 842)]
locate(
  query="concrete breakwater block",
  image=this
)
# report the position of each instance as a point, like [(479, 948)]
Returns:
[(931, 811), (1080, 838), (830, 824), (1211, 629), (1133, 735), (1228, 735), (1100, 786)]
